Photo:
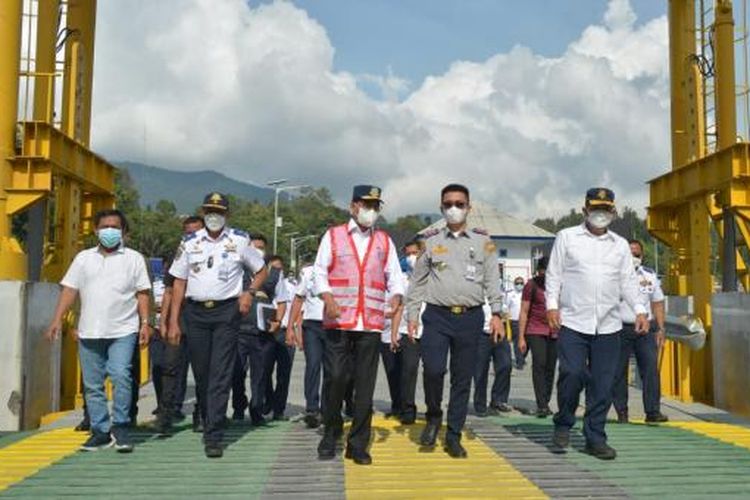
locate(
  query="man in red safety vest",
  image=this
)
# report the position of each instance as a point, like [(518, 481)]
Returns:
[(355, 266)]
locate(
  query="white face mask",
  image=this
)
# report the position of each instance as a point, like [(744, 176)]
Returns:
[(411, 261), (366, 217), (518, 287), (455, 215), (214, 222), (637, 261), (600, 219)]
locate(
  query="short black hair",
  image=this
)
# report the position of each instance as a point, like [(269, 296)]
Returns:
[(455, 188), (637, 242), (411, 243), (193, 219), (111, 212), (542, 263), (276, 258), (259, 237)]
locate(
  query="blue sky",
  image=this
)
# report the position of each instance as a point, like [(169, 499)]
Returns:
[(417, 38)]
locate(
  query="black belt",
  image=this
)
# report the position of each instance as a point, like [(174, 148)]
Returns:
[(457, 310), (210, 304)]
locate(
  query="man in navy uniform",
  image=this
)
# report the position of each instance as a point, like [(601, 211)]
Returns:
[(454, 276), (208, 270), (590, 271)]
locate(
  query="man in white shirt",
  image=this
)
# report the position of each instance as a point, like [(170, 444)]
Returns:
[(645, 346), (512, 304), (113, 285), (354, 268), (208, 271), (589, 272), (310, 338)]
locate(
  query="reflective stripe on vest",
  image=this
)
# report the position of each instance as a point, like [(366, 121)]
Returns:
[(358, 287)]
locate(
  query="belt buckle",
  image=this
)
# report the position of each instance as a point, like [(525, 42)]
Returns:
[(457, 309), (209, 304)]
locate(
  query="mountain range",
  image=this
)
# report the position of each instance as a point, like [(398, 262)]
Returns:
[(187, 189)]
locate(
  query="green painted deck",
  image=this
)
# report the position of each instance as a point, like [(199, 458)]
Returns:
[(703, 452)]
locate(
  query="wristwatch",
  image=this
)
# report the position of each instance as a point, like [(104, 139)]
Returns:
[(252, 291)]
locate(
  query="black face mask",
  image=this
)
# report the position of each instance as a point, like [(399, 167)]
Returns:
[(539, 279)]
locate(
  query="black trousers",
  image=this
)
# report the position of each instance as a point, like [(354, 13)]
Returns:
[(313, 340), (212, 344), (590, 362), (647, 358), (499, 354), (392, 362), (241, 367), (544, 358), (446, 332), (351, 356), (262, 346), (169, 369), (283, 359), (409, 370)]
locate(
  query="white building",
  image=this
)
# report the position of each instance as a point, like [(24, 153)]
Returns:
[(514, 238)]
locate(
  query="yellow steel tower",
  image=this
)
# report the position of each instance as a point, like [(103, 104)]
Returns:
[(707, 189), (47, 170)]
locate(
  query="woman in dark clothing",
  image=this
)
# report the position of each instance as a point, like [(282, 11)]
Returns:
[(534, 333)]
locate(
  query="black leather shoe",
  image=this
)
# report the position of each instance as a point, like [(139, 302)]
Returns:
[(560, 440), (543, 412), (408, 419), (429, 434), (601, 451), (312, 420), (259, 422), (327, 446), (455, 450), (238, 416), (622, 417), (481, 412), (214, 450), (656, 418), (359, 457)]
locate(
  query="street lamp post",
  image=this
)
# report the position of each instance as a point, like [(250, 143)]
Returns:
[(278, 187), (294, 242)]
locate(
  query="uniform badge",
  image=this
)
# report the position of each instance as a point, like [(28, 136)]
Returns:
[(196, 267), (490, 247), (441, 266), (439, 250), (230, 246)]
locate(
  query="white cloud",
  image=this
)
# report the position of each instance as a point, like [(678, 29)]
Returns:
[(252, 92)]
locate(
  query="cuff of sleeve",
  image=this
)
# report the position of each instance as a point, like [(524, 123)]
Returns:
[(552, 304), (640, 309), (322, 289), (497, 308)]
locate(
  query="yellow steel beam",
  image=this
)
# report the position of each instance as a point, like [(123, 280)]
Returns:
[(79, 70), (45, 149), (44, 60), (12, 258), (726, 113)]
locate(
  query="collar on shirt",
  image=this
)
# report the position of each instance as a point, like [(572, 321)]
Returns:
[(203, 235), (353, 226), (583, 230), (464, 232), (120, 249)]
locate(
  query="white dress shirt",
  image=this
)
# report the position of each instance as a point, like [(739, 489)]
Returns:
[(513, 304), (213, 268), (394, 283), (107, 284), (312, 309), (649, 291), (587, 277)]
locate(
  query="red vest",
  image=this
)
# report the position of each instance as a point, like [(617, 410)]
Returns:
[(358, 287)]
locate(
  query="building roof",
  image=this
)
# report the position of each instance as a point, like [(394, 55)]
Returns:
[(499, 224)]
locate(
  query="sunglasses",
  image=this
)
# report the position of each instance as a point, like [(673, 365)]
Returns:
[(450, 204)]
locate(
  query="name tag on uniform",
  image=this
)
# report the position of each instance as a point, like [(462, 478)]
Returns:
[(471, 272)]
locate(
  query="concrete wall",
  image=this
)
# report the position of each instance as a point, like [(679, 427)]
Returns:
[(730, 343), (29, 365)]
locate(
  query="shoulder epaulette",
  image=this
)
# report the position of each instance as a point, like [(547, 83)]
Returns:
[(648, 270), (430, 233), (189, 236), (479, 230), (240, 232)]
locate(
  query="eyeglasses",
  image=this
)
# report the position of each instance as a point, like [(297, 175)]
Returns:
[(450, 204)]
